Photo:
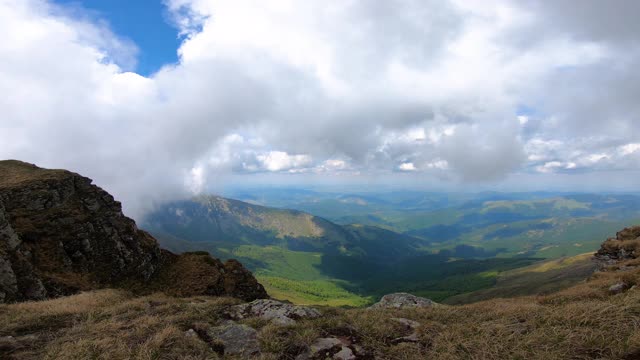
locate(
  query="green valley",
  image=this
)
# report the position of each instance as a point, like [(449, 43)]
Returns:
[(437, 245)]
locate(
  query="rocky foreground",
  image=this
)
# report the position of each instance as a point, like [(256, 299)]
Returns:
[(60, 234), (597, 319)]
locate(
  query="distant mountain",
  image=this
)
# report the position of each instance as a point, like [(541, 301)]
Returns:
[(343, 248), (308, 259), (539, 224), (231, 223)]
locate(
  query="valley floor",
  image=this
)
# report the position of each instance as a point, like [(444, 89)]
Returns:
[(586, 321)]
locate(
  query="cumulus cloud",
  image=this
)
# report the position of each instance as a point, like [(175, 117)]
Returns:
[(469, 92)]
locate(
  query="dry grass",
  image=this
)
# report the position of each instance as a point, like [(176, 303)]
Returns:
[(14, 172), (110, 324), (582, 322)]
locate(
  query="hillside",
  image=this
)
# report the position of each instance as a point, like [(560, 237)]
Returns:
[(60, 234), (596, 319), (310, 260), (538, 279), (232, 223), (546, 225)]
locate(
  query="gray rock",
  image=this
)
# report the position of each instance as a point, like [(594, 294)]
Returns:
[(276, 311), (339, 348), (344, 354), (237, 339), (618, 288), (323, 348), (324, 344), (402, 300)]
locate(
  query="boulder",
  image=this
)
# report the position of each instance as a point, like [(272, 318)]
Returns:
[(324, 345), (402, 300), (237, 339), (338, 348), (618, 288), (197, 273), (276, 311)]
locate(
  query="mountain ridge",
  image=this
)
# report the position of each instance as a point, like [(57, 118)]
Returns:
[(60, 234), (212, 218)]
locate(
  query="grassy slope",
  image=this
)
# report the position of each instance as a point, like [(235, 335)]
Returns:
[(540, 278), (294, 276), (285, 274), (297, 277), (582, 322)]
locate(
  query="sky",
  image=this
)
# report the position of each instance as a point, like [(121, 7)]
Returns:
[(146, 24), (158, 100)]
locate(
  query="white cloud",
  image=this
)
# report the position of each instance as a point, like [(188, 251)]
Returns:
[(551, 166), (196, 179), (594, 158), (334, 164), (523, 120), (629, 149), (280, 160), (438, 164), (324, 88), (407, 167)]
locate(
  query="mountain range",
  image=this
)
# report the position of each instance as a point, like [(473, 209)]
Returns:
[(309, 259)]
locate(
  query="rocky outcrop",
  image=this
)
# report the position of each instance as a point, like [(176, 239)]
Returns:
[(276, 311), (402, 300), (60, 234), (625, 246), (197, 273)]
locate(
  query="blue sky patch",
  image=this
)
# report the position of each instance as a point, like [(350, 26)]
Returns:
[(144, 22)]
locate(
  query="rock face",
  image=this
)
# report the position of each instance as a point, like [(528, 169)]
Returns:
[(276, 311), (60, 234), (198, 273), (625, 246), (402, 300)]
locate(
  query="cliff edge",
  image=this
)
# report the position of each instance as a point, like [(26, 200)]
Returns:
[(60, 234)]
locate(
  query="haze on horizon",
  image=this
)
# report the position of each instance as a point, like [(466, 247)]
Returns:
[(498, 94)]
